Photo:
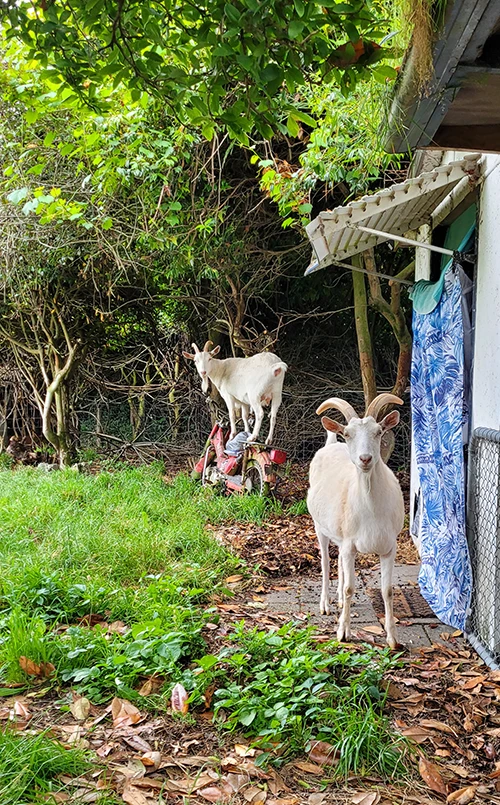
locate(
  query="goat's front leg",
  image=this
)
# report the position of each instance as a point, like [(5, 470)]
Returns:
[(259, 415), (340, 585), (231, 408), (347, 557), (386, 569), (275, 404), (245, 410), (324, 546)]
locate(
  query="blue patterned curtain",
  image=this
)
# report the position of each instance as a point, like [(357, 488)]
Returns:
[(437, 396)]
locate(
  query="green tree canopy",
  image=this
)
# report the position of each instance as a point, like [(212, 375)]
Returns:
[(234, 65)]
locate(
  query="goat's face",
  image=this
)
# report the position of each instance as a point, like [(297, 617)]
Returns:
[(203, 361), (363, 437)]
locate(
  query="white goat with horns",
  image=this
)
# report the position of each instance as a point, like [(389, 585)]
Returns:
[(243, 383), (356, 502)]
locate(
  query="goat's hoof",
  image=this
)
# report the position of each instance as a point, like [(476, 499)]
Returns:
[(343, 634), (393, 643), (324, 608)]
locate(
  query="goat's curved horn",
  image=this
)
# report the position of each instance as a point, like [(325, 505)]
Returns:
[(380, 401), (196, 350), (341, 405), (208, 346)]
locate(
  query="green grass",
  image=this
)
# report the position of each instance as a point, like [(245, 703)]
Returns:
[(71, 544), (298, 508), (30, 766), (122, 545), (125, 545)]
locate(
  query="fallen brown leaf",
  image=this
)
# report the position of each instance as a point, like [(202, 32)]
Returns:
[(188, 784), (323, 753), (117, 627), (151, 685), (310, 768), (366, 798), (431, 775), (417, 734), (80, 707), (151, 759), (473, 682), (209, 694), (215, 793), (316, 799), (284, 801), (133, 796), (463, 796), (179, 700), (374, 629), (433, 724), (233, 579), (460, 771), (21, 710), (255, 795), (242, 750), (136, 742), (124, 713), (43, 669)]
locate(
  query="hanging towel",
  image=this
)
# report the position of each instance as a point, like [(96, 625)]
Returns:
[(425, 294), (437, 397)]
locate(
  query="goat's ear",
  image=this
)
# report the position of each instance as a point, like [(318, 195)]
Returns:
[(330, 424), (390, 421), (215, 351), (188, 355)]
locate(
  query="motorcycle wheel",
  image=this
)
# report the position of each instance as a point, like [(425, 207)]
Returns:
[(204, 473), (255, 482)]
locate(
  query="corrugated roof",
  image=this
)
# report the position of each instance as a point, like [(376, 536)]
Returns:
[(394, 210)]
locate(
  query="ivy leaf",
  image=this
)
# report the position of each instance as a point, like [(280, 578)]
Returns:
[(383, 71), (295, 29), (292, 126), (304, 118), (232, 13), (31, 116), (18, 195), (247, 718), (299, 7)]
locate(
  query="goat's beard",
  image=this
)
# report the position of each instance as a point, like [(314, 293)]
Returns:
[(204, 385)]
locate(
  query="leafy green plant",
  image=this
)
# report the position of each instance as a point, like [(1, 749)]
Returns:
[(283, 689), (30, 766)]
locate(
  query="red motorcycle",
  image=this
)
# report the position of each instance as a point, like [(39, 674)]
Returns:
[(237, 465)]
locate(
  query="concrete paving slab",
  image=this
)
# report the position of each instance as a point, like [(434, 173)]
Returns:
[(403, 575), (300, 598)]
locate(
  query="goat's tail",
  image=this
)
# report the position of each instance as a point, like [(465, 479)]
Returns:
[(331, 438), (279, 367)]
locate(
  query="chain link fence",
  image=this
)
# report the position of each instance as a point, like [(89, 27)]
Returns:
[(483, 527)]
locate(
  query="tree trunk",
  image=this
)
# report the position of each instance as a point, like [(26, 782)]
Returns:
[(393, 313), (172, 398), (65, 452), (363, 335), (4, 407)]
